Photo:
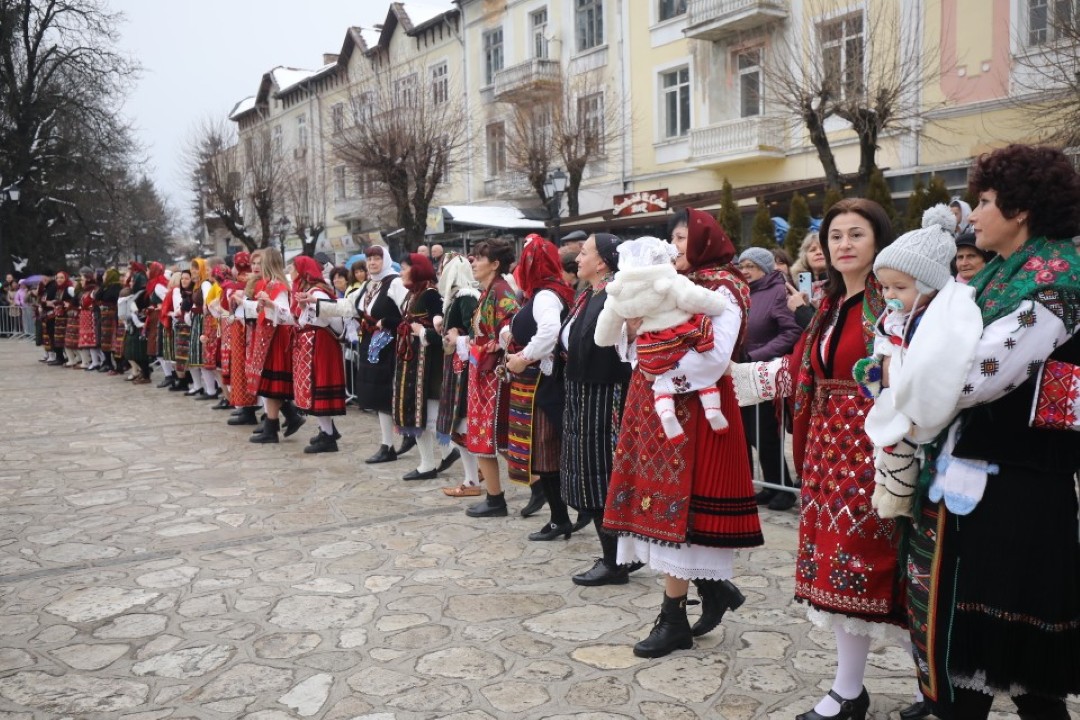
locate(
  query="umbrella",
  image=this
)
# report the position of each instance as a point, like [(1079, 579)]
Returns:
[(355, 258)]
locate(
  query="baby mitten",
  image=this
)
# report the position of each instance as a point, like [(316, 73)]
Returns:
[(867, 373)]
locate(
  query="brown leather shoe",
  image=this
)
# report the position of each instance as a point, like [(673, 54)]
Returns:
[(140, 381), (463, 490)]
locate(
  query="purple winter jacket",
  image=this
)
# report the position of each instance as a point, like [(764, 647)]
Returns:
[(771, 329)]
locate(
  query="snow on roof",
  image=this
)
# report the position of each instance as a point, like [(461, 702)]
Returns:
[(421, 12), (286, 77), (370, 36), (242, 107), (506, 218)]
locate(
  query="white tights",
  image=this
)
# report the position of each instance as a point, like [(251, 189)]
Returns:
[(851, 654), (386, 428), (209, 380)]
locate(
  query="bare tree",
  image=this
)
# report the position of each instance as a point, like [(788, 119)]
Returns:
[(406, 139), (216, 169), (865, 68), (303, 201), (264, 167), (1049, 72), (573, 124), (61, 86)]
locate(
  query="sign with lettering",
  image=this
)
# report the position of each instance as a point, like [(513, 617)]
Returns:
[(639, 203)]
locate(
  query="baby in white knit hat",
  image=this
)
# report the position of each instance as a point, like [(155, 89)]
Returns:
[(913, 270)]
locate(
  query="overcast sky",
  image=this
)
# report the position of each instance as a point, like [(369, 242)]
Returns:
[(200, 57)]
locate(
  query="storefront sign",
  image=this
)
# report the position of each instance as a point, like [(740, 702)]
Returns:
[(639, 203)]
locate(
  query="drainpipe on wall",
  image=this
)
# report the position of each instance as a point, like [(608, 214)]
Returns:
[(465, 95), (625, 82)]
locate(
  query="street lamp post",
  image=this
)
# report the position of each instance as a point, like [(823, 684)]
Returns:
[(554, 187), (282, 227), (11, 194)]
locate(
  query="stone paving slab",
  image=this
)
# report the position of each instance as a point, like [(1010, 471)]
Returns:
[(153, 564)]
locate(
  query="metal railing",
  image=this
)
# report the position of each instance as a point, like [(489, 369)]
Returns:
[(785, 461), (17, 321)]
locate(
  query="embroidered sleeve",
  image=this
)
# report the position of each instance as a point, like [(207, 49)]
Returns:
[(1010, 351), (700, 370), (345, 307), (546, 309), (757, 382)]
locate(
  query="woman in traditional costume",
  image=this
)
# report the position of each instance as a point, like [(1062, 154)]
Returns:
[(214, 317), (70, 304), (135, 341), (682, 506), (203, 384), (111, 340), (58, 304), (378, 309), (534, 450), (89, 322), (318, 367), (418, 365), (240, 330), (994, 567), (460, 297), (272, 350), (488, 393), (595, 380), (847, 570)]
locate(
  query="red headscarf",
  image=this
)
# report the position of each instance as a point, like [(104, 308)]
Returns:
[(242, 262), (155, 278), (421, 272), (540, 269), (707, 244), (136, 266), (307, 274)]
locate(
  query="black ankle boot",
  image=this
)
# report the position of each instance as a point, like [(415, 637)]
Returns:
[(244, 416), (385, 454), (717, 597), (293, 419), (167, 381), (670, 632), (269, 432), (536, 501)]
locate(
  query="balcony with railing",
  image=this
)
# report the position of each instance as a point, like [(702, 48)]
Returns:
[(526, 80), (746, 139), (716, 19)]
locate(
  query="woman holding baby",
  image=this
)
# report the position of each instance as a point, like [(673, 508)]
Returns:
[(994, 581), (683, 505)]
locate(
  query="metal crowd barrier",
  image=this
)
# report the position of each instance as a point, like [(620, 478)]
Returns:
[(349, 352), (786, 456), (17, 322)]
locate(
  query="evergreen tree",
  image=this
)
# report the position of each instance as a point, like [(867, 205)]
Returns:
[(730, 217), (916, 205), (832, 196), (879, 192), (798, 224), (936, 193), (763, 233)]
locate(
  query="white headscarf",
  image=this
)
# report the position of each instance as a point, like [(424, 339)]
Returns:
[(456, 279), (387, 266)]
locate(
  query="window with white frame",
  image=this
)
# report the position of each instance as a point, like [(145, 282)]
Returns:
[(365, 183), (493, 54), (748, 65), (669, 9), (405, 91), (363, 106), (591, 121), (842, 49), (675, 101), (589, 22), (538, 26), (440, 83), (1047, 18), (337, 117), (496, 149), (339, 182), (301, 131)]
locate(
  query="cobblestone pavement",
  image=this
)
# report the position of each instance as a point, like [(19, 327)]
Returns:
[(154, 564)]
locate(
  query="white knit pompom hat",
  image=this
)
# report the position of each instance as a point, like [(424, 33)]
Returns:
[(926, 253)]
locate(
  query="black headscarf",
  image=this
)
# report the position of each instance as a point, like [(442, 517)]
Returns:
[(607, 248)]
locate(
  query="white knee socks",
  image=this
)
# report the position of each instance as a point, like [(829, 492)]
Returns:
[(326, 425), (168, 367), (468, 461), (851, 654), (84, 356), (209, 381), (98, 357), (196, 379), (426, 444), (386, 428)]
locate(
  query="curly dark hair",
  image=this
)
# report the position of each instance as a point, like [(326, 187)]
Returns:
[(339, 271), (498, 250), (1039, 180), (879, 223)]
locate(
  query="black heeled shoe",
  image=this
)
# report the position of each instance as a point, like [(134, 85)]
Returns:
[(552, 531), (385, 454), (849, 709)]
